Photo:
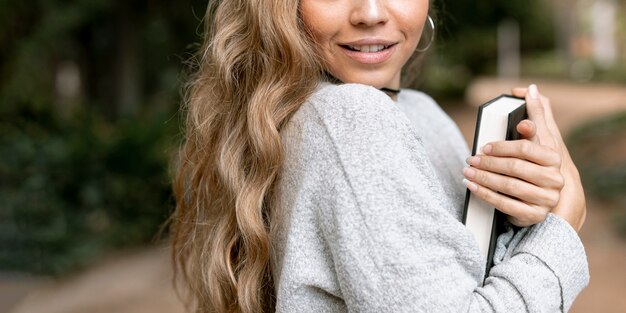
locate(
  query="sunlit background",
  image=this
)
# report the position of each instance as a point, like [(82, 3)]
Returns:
[(89, 100)]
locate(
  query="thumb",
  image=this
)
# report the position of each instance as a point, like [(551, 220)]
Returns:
[(536, 113), (527, 130)]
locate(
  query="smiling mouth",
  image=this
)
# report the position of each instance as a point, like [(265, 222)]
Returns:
[(367, 48)]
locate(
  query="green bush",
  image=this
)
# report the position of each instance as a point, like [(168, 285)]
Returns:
[(599, 150), (73, 190), (466, 41)]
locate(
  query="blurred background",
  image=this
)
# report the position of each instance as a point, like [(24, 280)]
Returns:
[(89, 99)]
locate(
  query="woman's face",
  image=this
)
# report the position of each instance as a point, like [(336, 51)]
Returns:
[(366, 41)]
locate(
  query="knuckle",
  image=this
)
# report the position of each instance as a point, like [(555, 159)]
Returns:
[(526, 148), (481, 177), (488, 162), (539, 215), (508, 185), (554, 201), (525, 221), (559, 180), (554, 178), (515, 166), (554, 157), (558, 159), (550, 198), (531, 216), (484, 193), (491, 197), (485, 162)]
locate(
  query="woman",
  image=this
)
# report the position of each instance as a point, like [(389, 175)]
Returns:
[(308, 182)]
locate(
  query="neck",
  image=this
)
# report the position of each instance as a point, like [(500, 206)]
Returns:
[(391, 92)]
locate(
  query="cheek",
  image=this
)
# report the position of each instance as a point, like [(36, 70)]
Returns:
[(318, 20), (411, 18)]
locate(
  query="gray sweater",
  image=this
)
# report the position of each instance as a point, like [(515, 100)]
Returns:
[(368, 217)]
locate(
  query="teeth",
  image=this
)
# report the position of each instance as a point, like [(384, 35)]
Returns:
[(368, 48)]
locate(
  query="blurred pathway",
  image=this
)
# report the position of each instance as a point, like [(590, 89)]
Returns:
[(140, 281), (137, 282), (573, 103)]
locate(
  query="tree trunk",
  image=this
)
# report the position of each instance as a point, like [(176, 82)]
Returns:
[(128, 89)]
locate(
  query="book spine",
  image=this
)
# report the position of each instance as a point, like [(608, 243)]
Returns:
[(500, 219)]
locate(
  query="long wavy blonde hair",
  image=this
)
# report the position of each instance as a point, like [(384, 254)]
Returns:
[(257, 65)]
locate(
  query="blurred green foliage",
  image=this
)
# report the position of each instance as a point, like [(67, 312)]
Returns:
[(599, 150), (466, 42), (72, 190), (551, 64), (86, 173), (120, 47), (86, 170)]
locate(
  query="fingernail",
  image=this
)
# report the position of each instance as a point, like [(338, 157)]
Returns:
[(473, 160), (469, 172), (486, 149), (471, 186), (533, 92)]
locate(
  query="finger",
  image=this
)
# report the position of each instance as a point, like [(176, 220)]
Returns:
[(554, 129), (550, 121), (557, 139), (536, 113), (513, 187), (525, 222), (519, 92), (527, 130), (523, 92), (542, 176), (524, 149), (521, 213)]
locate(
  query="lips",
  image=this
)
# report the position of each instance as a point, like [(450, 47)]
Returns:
[(367, 48), (369, 51)]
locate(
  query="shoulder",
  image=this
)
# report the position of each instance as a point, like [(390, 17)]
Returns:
[(348, 100), (356, 124), (424, 113), (350, 125), (411, 100), (352, 110), (416, 95), (348, 93)]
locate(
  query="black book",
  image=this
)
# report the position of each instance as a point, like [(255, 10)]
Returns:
[(497, 121)]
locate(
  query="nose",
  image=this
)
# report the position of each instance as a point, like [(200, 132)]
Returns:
[(368, 12)]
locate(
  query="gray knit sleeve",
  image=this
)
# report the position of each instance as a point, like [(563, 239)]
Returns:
[(395, 246)]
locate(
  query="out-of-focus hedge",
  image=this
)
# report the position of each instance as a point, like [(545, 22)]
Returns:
[(74, 189), (85, 171), (466, 40), (599, 150)]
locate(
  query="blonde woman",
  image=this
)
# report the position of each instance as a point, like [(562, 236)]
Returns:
[(310, 182)]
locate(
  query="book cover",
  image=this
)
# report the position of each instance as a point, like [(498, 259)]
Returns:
[(496, 121)]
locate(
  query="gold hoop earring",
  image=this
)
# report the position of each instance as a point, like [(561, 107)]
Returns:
[(429, 22)]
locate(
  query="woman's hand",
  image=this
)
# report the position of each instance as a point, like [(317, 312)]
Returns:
[(520, 178), (528, 178), (572, 204)]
